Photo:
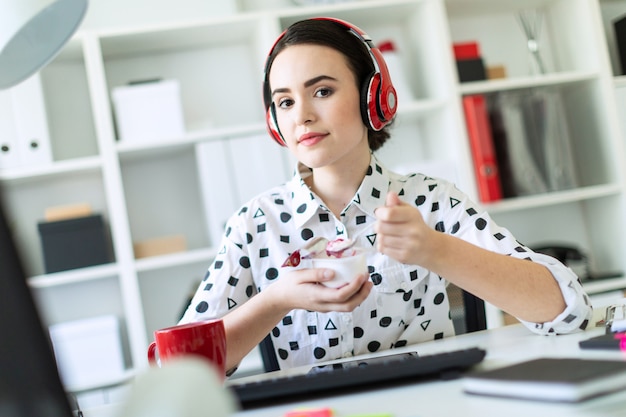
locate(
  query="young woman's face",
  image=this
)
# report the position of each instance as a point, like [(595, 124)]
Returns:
[(317, 105)]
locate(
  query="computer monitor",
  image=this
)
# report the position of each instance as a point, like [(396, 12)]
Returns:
[(30, 385)]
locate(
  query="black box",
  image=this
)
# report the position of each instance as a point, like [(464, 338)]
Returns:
[(620, 41), (74, 243), (471, 69)]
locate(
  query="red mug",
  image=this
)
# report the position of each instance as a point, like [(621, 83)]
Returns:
[(205, 338)]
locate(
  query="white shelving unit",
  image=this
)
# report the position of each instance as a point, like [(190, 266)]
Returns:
[(151, 189)]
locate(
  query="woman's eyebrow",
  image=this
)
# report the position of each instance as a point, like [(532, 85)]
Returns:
[(317, 79), (307, 83)]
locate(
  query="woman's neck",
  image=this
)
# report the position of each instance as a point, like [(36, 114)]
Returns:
[(337, 184)]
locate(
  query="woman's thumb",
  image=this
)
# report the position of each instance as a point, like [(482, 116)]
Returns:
[(392, 199)]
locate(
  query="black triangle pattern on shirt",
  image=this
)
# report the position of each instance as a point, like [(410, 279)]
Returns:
[(259, 213), (330, 325)]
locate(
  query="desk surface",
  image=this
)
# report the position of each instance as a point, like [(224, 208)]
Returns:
[(504, 346)]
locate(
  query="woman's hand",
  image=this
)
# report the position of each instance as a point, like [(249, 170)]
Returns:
[(402, 233), (304, 289)]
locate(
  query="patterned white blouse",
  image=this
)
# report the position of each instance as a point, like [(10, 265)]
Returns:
[(408, 303)]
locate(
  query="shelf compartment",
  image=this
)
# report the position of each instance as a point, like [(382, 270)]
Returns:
[(579, 123), (220, 79), (166, 292), (592, 225), (611, 10), (80, 299), (162, 195), (68, 104), (26, 202), (565, 31)]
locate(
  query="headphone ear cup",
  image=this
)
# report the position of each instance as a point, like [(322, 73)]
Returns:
[(272, 126), (370, 103), (364, 101)]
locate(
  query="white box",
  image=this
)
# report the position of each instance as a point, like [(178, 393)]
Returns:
[(149, 111), (88, 352)]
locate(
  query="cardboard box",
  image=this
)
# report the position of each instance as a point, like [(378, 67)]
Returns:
[(71, 211), (149, 111), (74, 243), (88, 351), (160, 246)]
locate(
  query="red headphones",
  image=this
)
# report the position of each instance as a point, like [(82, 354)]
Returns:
[(378, 96)]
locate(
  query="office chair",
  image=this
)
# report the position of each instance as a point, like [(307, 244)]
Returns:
[(467, 310)]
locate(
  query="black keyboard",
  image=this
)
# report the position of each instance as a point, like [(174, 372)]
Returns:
[(356, 375)]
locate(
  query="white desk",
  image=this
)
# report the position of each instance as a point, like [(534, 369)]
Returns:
[(445, 398)]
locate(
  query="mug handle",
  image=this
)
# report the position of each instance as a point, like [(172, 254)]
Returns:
[(152, 354)]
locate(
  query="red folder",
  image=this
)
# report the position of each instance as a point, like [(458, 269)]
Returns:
[(482, 147)]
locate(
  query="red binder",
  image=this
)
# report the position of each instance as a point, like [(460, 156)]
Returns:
[(482, 147)]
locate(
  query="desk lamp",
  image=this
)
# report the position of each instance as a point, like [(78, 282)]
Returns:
[(32, 32)]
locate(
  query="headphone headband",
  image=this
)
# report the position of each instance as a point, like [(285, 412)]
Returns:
[(378, 96)]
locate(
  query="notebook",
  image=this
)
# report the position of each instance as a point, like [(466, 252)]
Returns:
[(550, 379), (29, 381), (359, 374)]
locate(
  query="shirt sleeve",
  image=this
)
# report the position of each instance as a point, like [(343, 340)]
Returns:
[(464, 219), (228, 282)]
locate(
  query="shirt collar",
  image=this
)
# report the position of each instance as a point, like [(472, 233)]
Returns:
[(370, 195)]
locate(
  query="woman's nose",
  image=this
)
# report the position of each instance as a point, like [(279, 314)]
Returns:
[(304, 113)]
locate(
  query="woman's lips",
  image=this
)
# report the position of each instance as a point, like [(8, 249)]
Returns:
[(310, 139)]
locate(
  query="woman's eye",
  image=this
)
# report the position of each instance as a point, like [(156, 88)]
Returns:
[(323, 92), (284, 103)]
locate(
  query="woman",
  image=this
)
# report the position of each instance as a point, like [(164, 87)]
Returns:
[(321, 94)]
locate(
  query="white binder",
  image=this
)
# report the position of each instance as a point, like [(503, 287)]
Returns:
[(258, 164), (218, 194), (31, 123)]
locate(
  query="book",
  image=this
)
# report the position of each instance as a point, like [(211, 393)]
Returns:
[(519, 171), (482, 148), (550, 379)]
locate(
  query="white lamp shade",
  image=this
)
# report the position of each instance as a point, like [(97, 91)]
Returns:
[(32, 32)]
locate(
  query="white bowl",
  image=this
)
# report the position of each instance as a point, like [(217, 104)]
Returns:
[(346, 269)]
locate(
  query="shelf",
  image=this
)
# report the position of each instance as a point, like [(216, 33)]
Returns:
[(175, 259), (136, 149), (548, 80), (420, 108), (74, 276), (603, 285), (553, 198), (55, 169), (620, 81), (125, 378)]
